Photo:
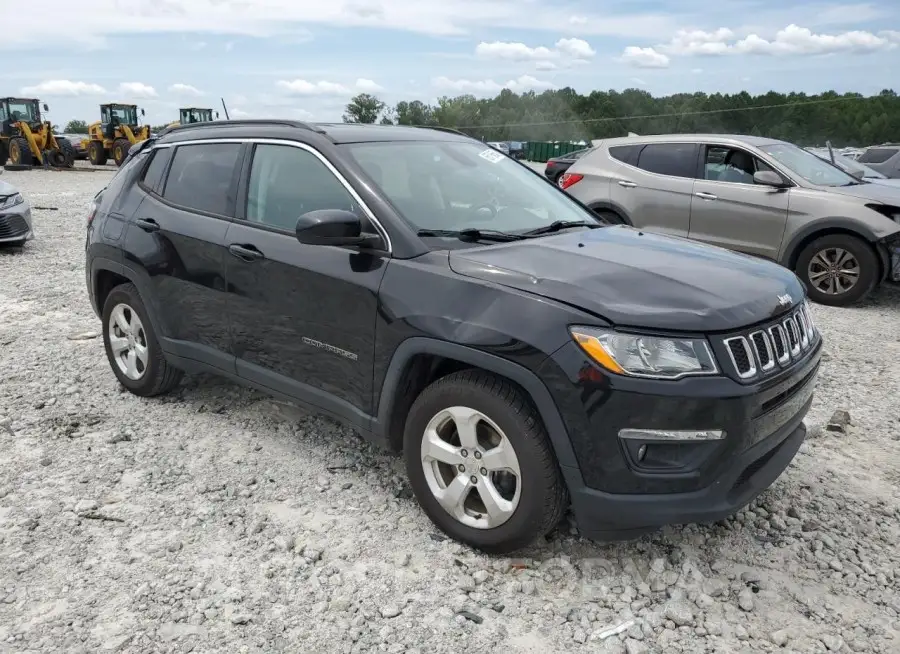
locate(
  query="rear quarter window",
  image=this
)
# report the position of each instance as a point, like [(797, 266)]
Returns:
[(877, 155), (153, 173), (625, 153)]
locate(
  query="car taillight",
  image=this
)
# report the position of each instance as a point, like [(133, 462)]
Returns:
[(568, 179)]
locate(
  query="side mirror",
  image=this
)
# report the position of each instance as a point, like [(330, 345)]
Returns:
[(46, 108), (769, 178), (143, 113), (217, 115), (333, 227)]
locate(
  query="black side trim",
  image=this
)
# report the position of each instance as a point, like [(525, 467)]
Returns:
[(532, 384)]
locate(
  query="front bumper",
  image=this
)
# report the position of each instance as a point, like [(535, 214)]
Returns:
[(16, 224), (617, 494)]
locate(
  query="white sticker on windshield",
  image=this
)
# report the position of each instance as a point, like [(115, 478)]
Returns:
[(492, 155)]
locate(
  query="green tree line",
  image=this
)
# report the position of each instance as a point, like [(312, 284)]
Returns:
[(848, 119)]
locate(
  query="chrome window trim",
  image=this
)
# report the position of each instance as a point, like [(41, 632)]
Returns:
[(302, 146)]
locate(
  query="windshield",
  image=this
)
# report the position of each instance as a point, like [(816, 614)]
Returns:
[(855, 168), (463, 185), (26, 111), (808, 166)]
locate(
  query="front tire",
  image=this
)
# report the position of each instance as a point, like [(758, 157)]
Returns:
[(480, 463), (838, 269), (131, 346), (97, 153), (120, 150), (19, 151)]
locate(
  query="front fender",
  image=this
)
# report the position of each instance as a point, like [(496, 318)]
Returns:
[(861, 228)]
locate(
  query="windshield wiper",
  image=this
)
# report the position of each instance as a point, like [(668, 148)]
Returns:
[(560, 225), (472, 234)]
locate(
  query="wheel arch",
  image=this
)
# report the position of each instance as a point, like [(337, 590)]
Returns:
[(828, 227), (606, 205), (419, 361)]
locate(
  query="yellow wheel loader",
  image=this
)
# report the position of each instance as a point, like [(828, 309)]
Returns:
[(116, 131), (189, 115), (26, 140)]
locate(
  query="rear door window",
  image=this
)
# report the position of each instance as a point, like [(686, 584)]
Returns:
[(671, 159), (877, 155), (201, 177)]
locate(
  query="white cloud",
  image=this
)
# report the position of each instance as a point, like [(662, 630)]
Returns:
[(185, 89), (306, 88), (63, 87), (644, 58), (74, 24), (368, 86), (545, 65), (489, 86), (638, 81), (137, 90), (566, 51), (792, 40)]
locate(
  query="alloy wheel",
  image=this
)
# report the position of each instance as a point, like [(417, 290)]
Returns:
[(128, 342), (833, 271), (471, 467)]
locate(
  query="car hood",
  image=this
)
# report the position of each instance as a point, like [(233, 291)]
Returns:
[(876, 192), (7, 189), (633, 278), (886, 182)]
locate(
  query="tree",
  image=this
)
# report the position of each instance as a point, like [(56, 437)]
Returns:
[(364, 108), (76, 127)]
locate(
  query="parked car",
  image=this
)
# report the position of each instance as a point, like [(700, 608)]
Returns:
[(499, 145), (558, 165), (77, 142), (858, 170), (16, 226), (445, 301), (758, 196), (883, 158), (517, 149)]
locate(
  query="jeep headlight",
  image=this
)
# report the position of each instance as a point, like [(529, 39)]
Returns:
[(10, 201), (637, 355)]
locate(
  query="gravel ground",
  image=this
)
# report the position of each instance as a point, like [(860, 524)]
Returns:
[(216, 520)]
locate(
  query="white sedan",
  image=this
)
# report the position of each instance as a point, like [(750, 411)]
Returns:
[(15, 216)]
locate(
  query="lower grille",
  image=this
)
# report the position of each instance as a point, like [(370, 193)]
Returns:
[(13, 226)]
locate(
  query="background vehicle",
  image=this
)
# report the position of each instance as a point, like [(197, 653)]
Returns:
[(517, 149), (188, 115), (558, 165), (755, 195), (500, 145), (77, 144), (354, 269), (25, 138), (858, 170), (883, 158), (15, 216), (115, 132)]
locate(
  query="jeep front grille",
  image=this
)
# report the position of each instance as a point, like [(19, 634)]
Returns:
[(775, 345)]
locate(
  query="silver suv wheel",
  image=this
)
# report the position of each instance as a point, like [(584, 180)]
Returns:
[(833, 271), (471, 467), (128, 341)]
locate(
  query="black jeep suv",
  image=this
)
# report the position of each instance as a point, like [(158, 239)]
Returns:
[(449, 302)]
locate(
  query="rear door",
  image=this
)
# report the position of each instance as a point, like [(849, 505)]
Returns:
[(730, 210), (176, 243), (654, 186)]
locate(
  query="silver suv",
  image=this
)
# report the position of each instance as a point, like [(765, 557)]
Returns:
[(758, 196)]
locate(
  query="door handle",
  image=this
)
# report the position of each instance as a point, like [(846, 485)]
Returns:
[(247, 253), (622, 182), (706, 196), (148, 224)]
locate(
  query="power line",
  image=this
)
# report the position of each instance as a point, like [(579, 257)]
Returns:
[(802, 103)]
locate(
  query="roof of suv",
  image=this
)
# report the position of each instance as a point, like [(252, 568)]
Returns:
[(688, 138), (336, 132)]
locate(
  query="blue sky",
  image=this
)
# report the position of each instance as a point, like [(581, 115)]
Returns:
[(304, 59)]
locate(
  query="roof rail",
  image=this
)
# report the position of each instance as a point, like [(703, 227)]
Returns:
[(439, 128), (249, 121)]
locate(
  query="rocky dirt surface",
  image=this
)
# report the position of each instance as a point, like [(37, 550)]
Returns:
[(217, 520)]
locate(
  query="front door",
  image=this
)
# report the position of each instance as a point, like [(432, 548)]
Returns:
[(303, 316), (730, 210)]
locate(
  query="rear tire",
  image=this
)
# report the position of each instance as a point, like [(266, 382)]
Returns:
[(120, 150), (20, 151), (97, 153), (502, 414), (831, 262), (153, 375), (67, 150)]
